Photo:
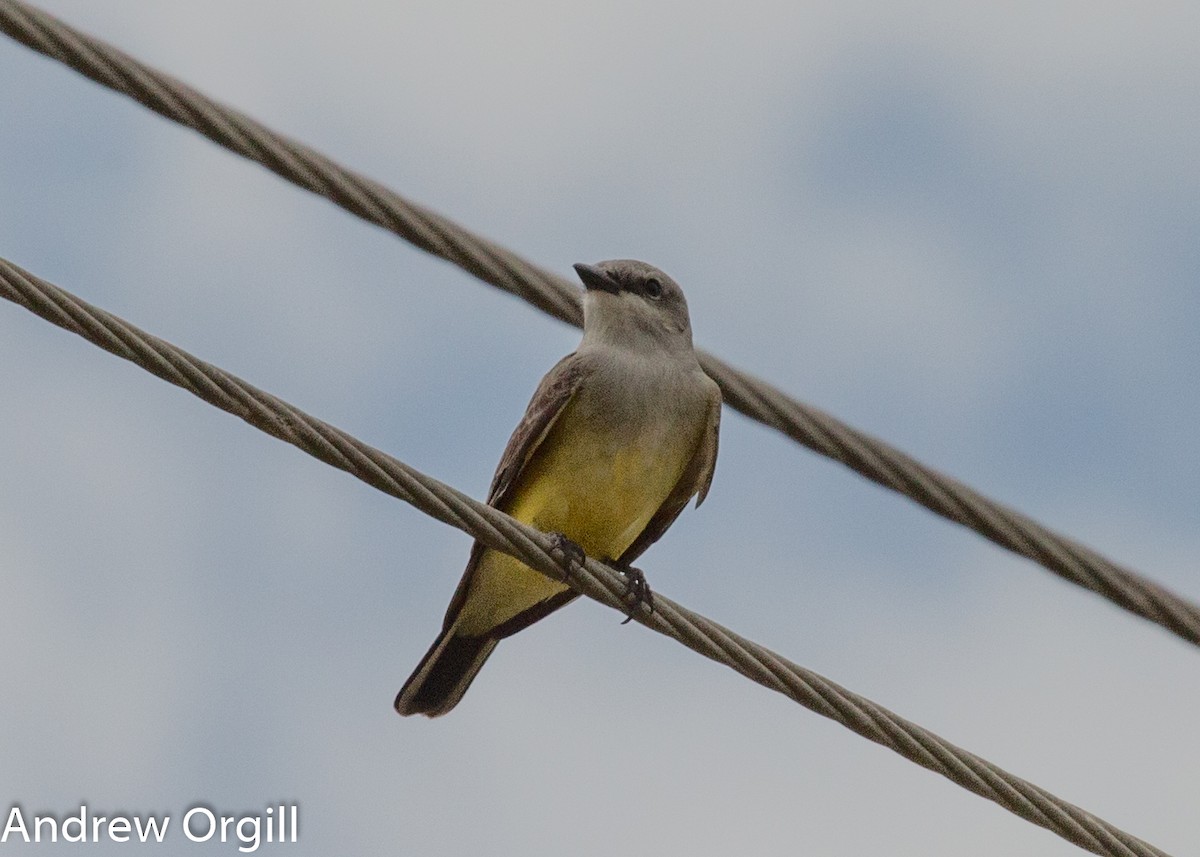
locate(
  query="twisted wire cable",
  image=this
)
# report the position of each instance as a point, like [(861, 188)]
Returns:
[(596, 580), (493, 264)]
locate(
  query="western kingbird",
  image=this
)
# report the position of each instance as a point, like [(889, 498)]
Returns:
[(619, 436)]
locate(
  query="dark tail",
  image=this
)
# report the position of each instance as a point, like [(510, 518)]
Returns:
[(444, 674)]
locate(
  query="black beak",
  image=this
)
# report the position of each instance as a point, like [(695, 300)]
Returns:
[(594, 278)]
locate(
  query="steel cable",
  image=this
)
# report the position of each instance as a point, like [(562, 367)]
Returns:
[(333, 446), (493, 264)]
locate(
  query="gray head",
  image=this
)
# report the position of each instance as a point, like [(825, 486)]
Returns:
[(631, 304)]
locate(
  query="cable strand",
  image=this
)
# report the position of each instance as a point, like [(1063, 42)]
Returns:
[(497, 530), (429, 231)]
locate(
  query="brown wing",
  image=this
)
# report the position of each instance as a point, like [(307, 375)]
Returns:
[(551, 396), (695, 479), (547, 403)]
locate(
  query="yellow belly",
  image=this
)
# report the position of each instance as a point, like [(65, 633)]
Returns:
[(597, 488)]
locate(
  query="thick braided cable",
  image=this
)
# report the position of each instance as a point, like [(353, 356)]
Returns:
[(598, 581), (872, 458)]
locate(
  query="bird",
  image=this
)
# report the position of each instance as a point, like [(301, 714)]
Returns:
[(617, 439)]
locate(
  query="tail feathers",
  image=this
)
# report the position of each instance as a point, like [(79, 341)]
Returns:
[(444, 674)]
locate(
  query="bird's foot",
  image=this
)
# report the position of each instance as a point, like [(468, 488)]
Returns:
[(568, 553), (637, 591)]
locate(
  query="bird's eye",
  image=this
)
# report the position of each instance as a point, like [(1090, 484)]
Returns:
[(653, 288)]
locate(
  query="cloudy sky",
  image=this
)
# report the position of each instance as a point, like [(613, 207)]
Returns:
[(970, 232)]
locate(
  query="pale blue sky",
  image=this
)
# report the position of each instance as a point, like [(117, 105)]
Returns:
[(970, 232)]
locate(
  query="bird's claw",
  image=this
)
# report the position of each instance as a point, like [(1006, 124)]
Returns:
[(637, 591), (569, 553)]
